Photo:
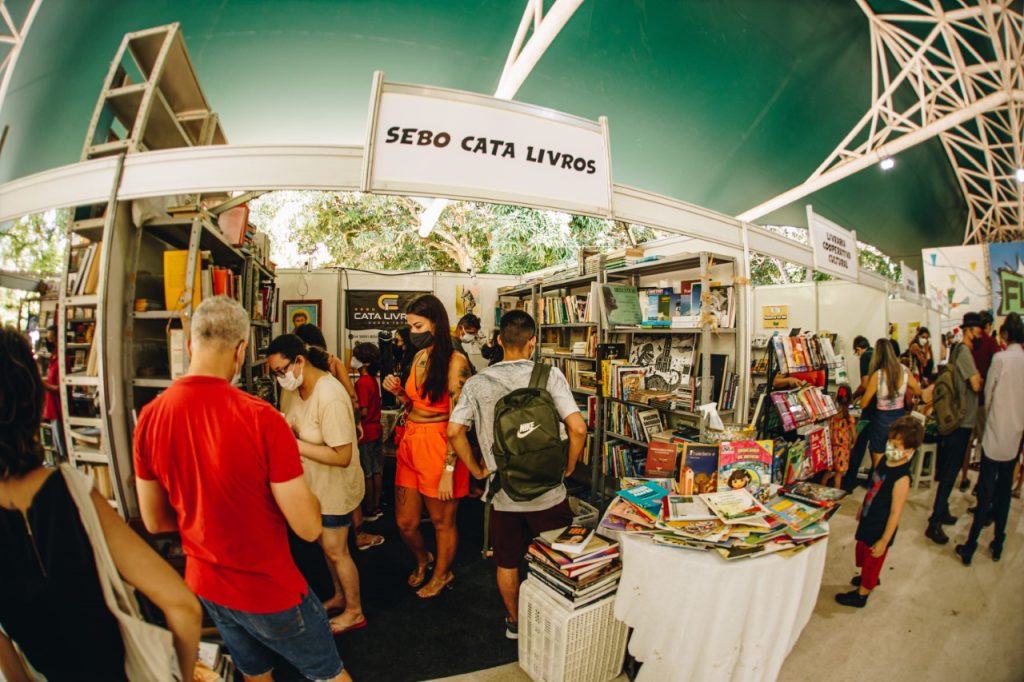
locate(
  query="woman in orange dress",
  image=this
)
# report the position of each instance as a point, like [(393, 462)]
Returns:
[(428, 472)]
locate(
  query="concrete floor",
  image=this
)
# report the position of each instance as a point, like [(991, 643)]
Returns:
[(931, 619)]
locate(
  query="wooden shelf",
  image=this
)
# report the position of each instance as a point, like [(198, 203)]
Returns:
[(176, 232)]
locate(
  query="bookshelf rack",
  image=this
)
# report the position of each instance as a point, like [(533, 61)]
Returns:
[(150, 100), (706, 267)]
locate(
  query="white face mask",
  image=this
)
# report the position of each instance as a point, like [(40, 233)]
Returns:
[(289, 381), (893, 453), (468, 338), (355, 363)]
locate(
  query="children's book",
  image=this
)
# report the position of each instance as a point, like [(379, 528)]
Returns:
[(687, 508), (793, 513), (621, 305), (809, 532), (734, 506), (798, 466), (646, 497), (819, 448), (780, 453), (745, 464), (702, 460), (814, 493)]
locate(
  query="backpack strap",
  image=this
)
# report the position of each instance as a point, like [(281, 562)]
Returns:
[(539, 375)]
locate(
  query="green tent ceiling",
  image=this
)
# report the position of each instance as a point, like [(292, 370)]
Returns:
[(722, 103)]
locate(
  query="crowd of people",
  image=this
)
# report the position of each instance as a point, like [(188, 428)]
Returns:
[(244, 483), (974, 399)]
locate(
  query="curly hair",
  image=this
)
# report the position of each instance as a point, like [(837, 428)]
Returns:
[(21, 406)]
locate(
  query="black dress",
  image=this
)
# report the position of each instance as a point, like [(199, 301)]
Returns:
[(51, 603)]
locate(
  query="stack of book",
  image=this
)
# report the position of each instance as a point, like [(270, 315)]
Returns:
[(633, 422), (620, 258), (803, 406), (564, 309), (620, 459), (575, 565)]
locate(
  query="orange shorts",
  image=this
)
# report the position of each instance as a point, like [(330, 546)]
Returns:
[(420, 460)]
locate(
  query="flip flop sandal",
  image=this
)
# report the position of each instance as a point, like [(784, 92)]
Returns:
[(427, 569), (339, 629)]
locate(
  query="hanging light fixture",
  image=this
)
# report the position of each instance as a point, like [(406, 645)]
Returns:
[(1020, 175), (887, 163)]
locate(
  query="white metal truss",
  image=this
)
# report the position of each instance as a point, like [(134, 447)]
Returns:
[(952, 68), (12, 37), (522, 58)]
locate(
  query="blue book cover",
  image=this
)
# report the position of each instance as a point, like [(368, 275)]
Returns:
[(646, 496)]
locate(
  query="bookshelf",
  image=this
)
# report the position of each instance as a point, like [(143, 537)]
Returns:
[(150, 100), (556, 339)]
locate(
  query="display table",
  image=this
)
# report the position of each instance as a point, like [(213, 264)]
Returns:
[(696, 617)]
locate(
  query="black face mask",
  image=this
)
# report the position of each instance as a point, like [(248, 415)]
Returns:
[(421, 340)]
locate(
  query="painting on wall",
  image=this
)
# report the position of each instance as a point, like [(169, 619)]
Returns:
[(301, 312), (467, 299), (1006, 268), (958, 275)]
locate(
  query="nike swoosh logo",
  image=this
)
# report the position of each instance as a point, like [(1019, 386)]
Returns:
[(529, 428)]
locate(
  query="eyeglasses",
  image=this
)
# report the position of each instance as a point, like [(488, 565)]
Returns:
[(281, 371)]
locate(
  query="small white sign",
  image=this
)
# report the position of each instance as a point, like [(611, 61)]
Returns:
[(909, 279), (834, 249), (438, 142)]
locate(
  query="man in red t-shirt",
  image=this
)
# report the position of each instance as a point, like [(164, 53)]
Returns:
[(222, 468)]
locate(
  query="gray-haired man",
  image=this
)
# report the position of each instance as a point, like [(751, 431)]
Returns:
[(222, 468)]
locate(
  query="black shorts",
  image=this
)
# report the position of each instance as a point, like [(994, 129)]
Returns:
[(512, 532)]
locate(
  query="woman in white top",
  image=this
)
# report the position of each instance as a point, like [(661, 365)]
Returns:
[(889, 382), (319, 411)]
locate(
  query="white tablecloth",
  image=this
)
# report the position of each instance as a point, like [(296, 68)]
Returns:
[(696, 617)]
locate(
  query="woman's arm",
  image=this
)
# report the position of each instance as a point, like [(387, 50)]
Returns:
[(147, 572), (11, 668), (458, 375), (869, 390), (913, 385), (340, 456)]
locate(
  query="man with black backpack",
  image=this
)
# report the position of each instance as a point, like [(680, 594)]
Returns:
[(518, 409), (956, 410)]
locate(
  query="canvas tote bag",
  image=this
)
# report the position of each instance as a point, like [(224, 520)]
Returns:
[(149, 654)]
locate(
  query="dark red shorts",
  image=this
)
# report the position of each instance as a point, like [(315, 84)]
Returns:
[(512, 532)]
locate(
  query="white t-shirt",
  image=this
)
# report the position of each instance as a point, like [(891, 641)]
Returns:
[(325, 418), (476, 408)]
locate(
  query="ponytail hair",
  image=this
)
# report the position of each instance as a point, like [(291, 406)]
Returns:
[(292, 347)]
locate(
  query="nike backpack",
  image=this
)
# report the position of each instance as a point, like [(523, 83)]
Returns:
[(530, 454), (950, 403)]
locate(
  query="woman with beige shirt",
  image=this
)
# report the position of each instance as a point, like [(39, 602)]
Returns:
[(319, 411)]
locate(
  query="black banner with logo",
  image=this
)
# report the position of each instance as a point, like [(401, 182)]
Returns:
[(377, 309)]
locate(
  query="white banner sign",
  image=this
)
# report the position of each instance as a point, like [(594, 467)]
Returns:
[(437, 142), (833, 248), (909, 279)]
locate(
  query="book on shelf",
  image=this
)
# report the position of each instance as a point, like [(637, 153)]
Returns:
[(620, 305), (233, 224), (802, 406), (819, 446), (621, 459), (744, 463), (177, 355), (798, 462), (175, 271), (668, 361)]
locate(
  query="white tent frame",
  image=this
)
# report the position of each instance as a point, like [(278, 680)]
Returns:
[(928, 78)]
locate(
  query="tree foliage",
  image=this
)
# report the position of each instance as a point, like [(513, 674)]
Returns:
[(33, 245), (379, 232)]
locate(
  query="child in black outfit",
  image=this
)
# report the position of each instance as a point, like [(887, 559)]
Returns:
[(879, 516)]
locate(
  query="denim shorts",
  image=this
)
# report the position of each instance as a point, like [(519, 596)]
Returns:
[(336, 520), (301, 635), (371, 457)]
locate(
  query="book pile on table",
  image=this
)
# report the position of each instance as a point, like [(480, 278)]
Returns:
[(732, 523), (577, 566)]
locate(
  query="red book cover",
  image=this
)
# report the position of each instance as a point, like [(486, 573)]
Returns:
[(661, 459), (819, 450), (233, 222), (220, 281)]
